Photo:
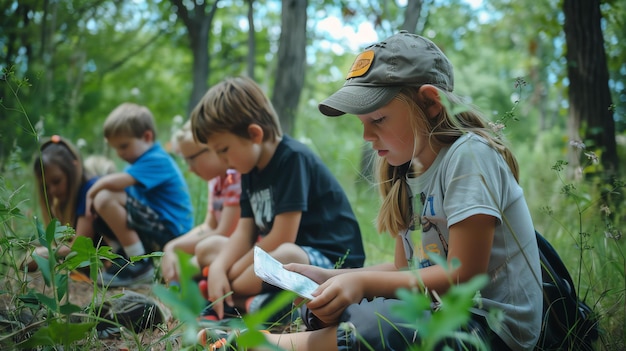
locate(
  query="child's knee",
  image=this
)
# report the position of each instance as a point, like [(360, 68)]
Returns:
[(207, 249), (105, 198), (290, 253), (203, 248)]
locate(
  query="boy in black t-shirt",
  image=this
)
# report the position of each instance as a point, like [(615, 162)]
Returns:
[(291, 204)]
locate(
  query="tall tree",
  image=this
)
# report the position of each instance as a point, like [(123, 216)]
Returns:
[(589, 95), (412, 15), (197, 18), (251, 40), (47, 46), (291, 62)]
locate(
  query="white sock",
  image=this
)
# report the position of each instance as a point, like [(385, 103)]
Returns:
[(115, 246), (135, 249)]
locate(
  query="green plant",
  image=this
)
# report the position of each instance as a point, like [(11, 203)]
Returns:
[(43, 317), (448, 315), (599, 254)]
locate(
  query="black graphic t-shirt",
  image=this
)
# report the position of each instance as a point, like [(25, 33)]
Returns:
[(296, 179)]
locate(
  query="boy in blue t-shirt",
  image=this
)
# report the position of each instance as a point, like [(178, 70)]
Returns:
[(291, 204), (145, 206)]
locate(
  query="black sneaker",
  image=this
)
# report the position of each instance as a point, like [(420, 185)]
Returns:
[(132, 273), (117, 264)]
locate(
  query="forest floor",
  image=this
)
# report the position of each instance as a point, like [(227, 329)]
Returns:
[(81, 294), (165, 335)]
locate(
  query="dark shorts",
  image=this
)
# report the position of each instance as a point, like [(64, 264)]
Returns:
[(371, 325), (151, 229)]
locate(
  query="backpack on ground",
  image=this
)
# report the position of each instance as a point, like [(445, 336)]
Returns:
[(568, 323), (129, 309)]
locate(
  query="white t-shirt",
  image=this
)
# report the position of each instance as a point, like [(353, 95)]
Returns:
[(470, 178)]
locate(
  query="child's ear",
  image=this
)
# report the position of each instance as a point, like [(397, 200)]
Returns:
[(256, 133), (429, 100), (148, 136)]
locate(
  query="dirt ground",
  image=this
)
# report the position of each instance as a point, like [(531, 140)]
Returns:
[(81, 294), (164, 336)]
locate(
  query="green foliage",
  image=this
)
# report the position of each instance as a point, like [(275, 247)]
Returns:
[(448, 317), (58, 328), (184, 299), (56, 322), (186, 303), (58, 333), (598, 244)]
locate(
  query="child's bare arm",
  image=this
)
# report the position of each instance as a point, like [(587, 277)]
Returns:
[(113, 182), (227, 223), (470, 242), (284, 230), (240, 242)]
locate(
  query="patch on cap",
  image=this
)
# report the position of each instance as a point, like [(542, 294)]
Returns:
[(361, 64)]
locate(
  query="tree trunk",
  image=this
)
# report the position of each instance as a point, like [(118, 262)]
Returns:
[(589, 94), (251, 40), (412, 15), (291, 62), (198, 23)]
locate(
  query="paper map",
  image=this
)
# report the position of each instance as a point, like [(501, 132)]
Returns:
[(271, 271)]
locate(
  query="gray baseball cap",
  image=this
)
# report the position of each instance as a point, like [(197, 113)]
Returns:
[(383, 69)]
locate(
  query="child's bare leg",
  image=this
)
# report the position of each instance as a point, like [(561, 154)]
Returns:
[(111, 206), (207, 249)]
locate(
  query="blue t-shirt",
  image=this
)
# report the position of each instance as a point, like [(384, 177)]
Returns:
[(81, 202), (161, 186), (296, 179)]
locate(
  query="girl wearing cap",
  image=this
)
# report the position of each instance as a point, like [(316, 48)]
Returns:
[(447, 174), (63, 183)]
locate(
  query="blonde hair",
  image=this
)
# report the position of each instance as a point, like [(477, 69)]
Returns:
[(182, 135), (63, 154), (396, 212), (232, 106), (129, 120), (98, 165)]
